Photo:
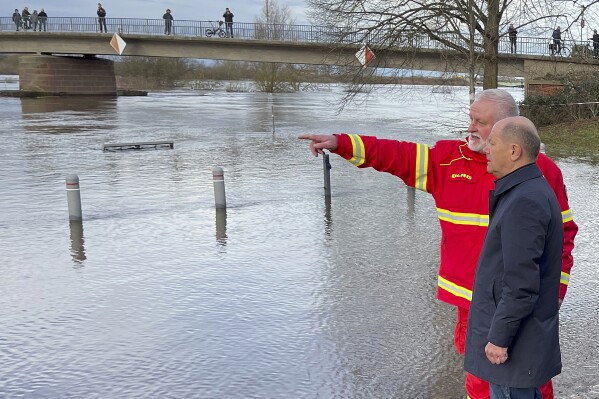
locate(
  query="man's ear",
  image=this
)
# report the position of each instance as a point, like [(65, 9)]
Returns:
[(516, 152)]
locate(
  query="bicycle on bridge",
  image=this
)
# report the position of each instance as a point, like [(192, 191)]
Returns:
[(216, 30)]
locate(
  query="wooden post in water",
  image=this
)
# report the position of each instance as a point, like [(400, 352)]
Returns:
[(74, 198), (218, 179), (327, 175)]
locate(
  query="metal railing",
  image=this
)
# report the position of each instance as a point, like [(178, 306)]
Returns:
[(295, 33)]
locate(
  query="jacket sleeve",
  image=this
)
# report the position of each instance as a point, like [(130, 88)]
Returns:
[(408, 161), (554, 177)]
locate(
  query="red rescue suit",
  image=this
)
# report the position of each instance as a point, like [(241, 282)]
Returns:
[(458, 180)]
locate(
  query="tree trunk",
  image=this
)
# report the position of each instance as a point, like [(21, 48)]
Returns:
[(490, 46)]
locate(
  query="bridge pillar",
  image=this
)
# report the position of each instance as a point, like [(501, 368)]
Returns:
[(67, 75)]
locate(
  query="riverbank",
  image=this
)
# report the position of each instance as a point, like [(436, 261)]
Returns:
[(580, 138)]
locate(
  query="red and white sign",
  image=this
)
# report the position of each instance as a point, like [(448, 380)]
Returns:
[(365, 56), (118, 44)]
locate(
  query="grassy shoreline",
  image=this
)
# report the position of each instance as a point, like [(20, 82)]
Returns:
[(572, 139)]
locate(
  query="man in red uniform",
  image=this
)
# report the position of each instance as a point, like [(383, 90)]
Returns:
[(454, 172)]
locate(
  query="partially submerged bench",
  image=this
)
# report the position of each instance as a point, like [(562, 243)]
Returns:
[(139, 146)]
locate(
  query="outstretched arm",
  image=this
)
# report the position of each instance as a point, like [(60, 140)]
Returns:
[(320, 142)]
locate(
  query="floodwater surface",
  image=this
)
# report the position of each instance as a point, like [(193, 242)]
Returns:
[(283, 295)]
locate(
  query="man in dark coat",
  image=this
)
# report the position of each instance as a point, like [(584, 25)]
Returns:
[(513, 334), (168, 21), (102, 18), (16, 18), (595, 40), (228, 16), (512, 33), (557, 41)]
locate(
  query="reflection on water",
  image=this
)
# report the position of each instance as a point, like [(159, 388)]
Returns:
[(302, 296), (77, 114), (77, 242), (328, 217), (221, 226)]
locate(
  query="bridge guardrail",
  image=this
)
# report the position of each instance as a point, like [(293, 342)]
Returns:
[(294, 33)]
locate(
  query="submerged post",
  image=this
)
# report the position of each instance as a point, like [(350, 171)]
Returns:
[(218, 179), (327, 175), (74, 198)]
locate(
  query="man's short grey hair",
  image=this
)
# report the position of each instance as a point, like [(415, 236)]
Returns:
[(506, 105), (526, 136)]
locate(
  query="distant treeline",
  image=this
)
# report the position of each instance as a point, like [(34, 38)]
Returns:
[(145, 73), (148, 73)]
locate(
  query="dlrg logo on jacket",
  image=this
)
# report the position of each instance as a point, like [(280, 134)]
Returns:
[(461, 176)]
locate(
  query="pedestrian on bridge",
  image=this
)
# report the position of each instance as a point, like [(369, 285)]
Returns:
[(168, 22), (512, 32), (26, 15), (102, 18), (595, 40), (34, 20), (228, 16), (455, 173), (557, 41), (43, 17), (16, 18)]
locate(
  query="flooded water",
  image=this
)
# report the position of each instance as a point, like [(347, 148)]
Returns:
[(284, 295)]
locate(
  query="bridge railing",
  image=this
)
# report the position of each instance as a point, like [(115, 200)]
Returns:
[(293, 33)]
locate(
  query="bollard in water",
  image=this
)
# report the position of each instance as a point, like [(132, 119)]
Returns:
[(327, 175), (273, 119), (218, 179), (74, 198)]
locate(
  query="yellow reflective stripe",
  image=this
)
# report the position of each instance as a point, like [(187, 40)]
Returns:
[(421, 167), (454, 289), (359, 155), (565, 279), (567, 216), (473, 219)]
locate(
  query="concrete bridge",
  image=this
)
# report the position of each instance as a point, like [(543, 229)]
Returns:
[(295, 44)]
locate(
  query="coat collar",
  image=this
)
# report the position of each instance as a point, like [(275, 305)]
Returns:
[(527, 172)]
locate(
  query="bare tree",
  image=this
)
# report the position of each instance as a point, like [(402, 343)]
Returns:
[(273, 24), (471, 28)]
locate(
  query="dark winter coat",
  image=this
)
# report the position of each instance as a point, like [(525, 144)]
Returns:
[(101, 12), (516, 287), (228, 16)]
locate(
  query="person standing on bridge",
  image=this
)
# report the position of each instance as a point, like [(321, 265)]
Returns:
[(102, 18), (168, 22), (595, 40), (455, 173), (512, 32), (43, 17), (34, 20), (16, 18), (26, 15), (228, 16), (557, 41)]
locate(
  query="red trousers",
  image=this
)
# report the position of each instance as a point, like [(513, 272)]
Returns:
[(475, 387)]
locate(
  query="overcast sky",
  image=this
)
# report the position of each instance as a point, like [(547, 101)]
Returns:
[(244, 11)]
